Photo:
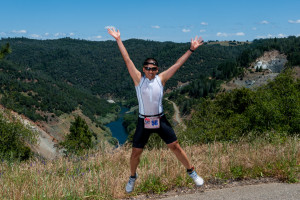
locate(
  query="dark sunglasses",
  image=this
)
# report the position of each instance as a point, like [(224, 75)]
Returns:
[(151, 68)]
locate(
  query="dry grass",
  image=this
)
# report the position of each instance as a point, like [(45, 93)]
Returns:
[(102, 174)]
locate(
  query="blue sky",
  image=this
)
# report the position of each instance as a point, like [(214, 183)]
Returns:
[(158, 20)]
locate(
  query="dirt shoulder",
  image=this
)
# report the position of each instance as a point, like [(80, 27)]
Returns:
[(270, 191), (215, 186)]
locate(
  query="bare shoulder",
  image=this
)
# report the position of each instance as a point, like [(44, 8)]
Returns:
[(161, 77)]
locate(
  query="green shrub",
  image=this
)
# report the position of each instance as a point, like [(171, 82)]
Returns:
[(14, 137)]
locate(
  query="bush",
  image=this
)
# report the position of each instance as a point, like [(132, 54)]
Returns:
[(14, 137)]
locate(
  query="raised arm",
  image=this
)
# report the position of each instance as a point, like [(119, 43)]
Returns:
[(166, 75), (134, 73)]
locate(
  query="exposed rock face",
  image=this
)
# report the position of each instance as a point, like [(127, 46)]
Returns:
[(271, 63), (272, 60), (46, 144)]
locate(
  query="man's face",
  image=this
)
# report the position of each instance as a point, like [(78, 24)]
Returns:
[(150, 71)]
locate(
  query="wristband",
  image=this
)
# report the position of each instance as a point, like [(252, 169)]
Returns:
[(191, 50)]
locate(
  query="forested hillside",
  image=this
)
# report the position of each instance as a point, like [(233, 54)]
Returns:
[(271, 111), (27, 91), (45, 78), (96, 65), (205, 86), (57, 76), (34, 92)]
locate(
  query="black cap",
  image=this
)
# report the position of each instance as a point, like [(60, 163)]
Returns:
[(151, 62)]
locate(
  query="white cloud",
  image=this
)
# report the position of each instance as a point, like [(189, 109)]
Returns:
[(35, 36), (2, 34), (220, 34), (280, 35), (264, 22), (71, 34), (294, 22), (19, 31), (157, 27), (186, 30), (204, 23), (59, 34), (202, 31), (95, 38), (260, 36), (240, 34), (254, 28), (46, 34), (110, 27)]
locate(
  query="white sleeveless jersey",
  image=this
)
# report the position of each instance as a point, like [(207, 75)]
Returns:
[(150, 94)]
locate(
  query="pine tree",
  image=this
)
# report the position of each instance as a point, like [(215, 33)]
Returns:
[(80, 137)]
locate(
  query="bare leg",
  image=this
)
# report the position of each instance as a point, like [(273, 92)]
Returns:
[(180, 154), (135, 159)]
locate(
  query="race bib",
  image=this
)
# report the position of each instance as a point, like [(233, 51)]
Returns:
[(152, 122)]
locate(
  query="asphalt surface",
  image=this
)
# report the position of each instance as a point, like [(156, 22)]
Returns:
[(270, 191)]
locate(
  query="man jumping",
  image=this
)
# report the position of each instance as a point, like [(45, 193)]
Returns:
[(149, 90)]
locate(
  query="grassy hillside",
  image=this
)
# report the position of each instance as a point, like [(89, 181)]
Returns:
[(103, 174)]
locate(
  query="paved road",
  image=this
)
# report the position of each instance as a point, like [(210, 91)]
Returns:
[(270, 191)]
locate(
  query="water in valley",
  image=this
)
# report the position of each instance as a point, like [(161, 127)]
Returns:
[(117, 129)]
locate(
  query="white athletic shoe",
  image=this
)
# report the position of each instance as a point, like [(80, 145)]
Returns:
[(197, 179), (130, 184)]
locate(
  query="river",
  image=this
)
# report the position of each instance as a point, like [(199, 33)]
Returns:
[(117, 129)]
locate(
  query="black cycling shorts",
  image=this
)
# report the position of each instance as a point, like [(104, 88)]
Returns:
[(142, 135)]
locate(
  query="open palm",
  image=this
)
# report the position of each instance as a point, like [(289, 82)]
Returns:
[(114, 33), (195, 43)]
